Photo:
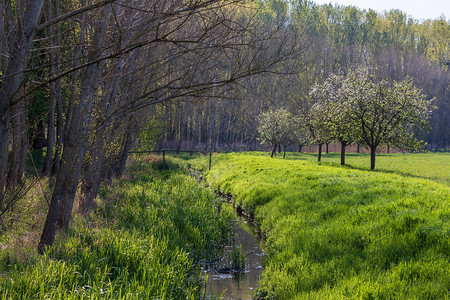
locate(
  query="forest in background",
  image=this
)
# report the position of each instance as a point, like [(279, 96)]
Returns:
[(339, 39)]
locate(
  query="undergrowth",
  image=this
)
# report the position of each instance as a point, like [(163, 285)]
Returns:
[(146, 239), (342, 233)]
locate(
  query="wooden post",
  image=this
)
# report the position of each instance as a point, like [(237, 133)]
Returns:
[(210, 156), (164, 159)]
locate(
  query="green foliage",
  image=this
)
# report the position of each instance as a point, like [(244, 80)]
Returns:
[(145, 240), (385, 114), (330, 114), (237, 259), (278, 127), (337, 232), (149, 135)]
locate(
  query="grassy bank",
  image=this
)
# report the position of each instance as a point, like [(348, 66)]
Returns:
[(338, 232), (145, 240)]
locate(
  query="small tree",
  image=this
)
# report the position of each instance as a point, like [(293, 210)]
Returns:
[(331, 113), (385, 114), (316, 121), (277, 128), (294, 134)]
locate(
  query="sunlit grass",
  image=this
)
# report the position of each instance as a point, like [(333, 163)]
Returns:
[(435, 166), (147, 239), (338, 232)]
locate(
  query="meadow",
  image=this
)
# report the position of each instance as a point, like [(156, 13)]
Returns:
[(434, 166), (148, 238), (335, 232)]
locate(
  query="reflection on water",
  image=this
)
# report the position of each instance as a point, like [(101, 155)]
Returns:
[(239, 285)]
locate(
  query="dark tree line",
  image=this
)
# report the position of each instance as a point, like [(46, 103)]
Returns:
[(342, 39), (82, 78)]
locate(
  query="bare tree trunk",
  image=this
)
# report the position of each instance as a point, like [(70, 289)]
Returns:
[(326, 148), (284, 152), (59, 101), (343, 145), (122, 160), (59, 130), (3, 169), (51, 113), (102, 138), (20, 145), (274, 149), (18, 59), (68, 176), (65, 187), (372, 157)]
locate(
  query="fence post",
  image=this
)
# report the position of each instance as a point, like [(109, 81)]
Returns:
[(210, 155), (164, 159)]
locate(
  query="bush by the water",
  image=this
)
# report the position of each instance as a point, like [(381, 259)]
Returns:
[(145, 240), (342, 233)]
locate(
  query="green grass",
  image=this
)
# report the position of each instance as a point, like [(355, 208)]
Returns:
[(342, 233), (434, 166), (147, 239)]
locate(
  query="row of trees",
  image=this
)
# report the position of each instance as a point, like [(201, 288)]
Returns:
[(91, 72), (393, 45), (357, 108)]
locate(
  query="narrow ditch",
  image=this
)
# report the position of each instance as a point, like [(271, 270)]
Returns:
[(222, 280), (237, 284)]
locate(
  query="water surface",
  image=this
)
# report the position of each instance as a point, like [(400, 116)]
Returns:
[(239, 285)]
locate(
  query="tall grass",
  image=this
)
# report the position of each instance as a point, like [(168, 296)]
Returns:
[(146, 239), (341, 233)]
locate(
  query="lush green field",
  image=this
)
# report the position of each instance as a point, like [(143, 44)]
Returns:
[(145, 241), (338, 232), (435, 166)]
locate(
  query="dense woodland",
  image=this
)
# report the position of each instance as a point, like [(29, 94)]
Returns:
[(339, 39), (88, 81)]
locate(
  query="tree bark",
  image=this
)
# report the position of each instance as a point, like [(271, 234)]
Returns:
[(372, 157), (20, 145), (74, 145), (3, 169), (59, 102), (274, 149), (59, 130), (46, 170), (18, 59), (122, 159), (343, 145), (319, 157)]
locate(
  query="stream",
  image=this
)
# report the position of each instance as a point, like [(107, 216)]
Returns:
[(240, 285)]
